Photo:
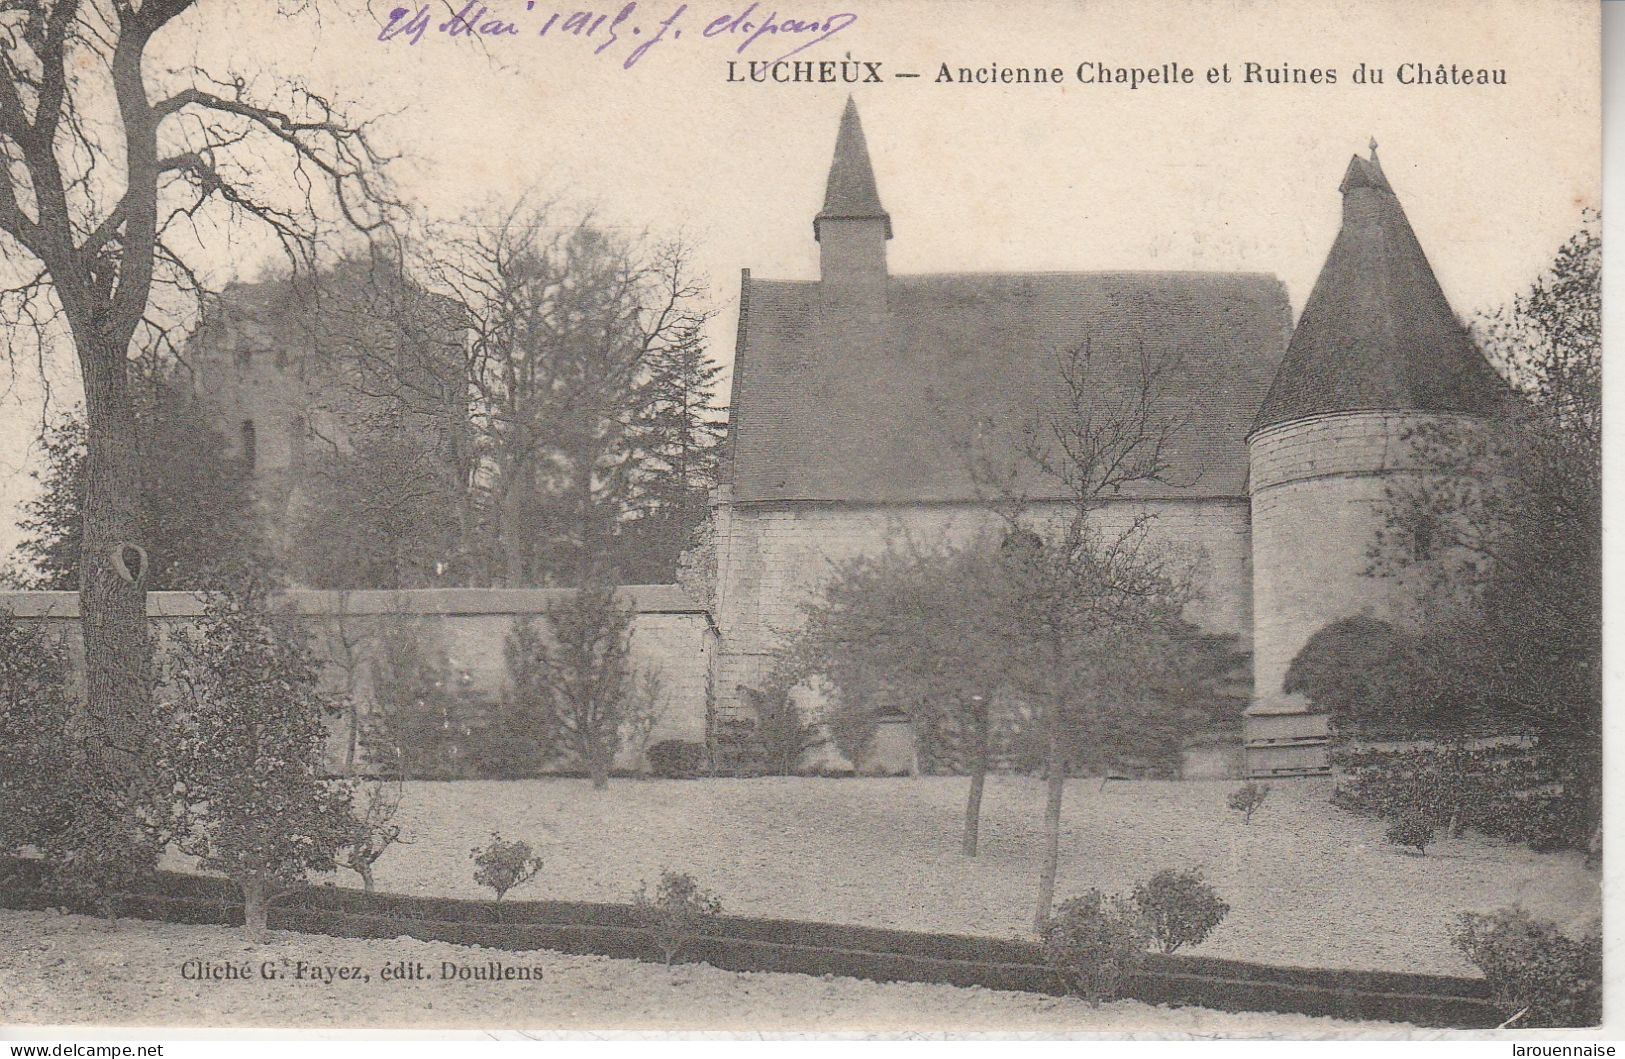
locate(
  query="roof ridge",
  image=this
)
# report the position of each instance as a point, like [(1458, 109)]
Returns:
[(1216, 274)]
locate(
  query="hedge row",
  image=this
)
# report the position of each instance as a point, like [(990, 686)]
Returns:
[(744, 944)]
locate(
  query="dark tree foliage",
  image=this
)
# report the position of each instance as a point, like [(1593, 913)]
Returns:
[(1376, 681), (243, 737), (1526, 537), (375, 515), (576, 679), (1514, 531), (197, 504), (35, 707), (680, 435)]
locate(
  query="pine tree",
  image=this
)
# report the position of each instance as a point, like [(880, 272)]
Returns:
[(680, 435)]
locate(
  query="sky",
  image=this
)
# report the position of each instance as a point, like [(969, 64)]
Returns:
[(977, 177)]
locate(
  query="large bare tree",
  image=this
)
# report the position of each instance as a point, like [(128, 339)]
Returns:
[(565, 322), (114, 172)]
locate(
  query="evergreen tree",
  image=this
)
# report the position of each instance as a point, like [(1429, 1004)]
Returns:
[(196, 508), (680, 434)]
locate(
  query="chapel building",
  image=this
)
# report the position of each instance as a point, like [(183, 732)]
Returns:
[(853, 395)]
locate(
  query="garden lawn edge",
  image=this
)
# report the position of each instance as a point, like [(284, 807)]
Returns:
[(738, 943)]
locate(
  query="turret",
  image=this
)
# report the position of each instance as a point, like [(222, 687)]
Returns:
[(853, 226), (1376, 354)]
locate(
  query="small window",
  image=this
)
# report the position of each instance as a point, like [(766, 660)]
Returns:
[(248, 443)]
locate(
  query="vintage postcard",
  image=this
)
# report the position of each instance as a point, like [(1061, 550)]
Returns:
[(1046, 517)]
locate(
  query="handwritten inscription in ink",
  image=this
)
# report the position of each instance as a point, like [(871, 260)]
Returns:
[(629, 32)]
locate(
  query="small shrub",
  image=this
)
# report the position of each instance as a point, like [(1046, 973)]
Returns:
[(642, 711), (502, 866), (1538, 975), (783, 732), (676, 912), (1413, 829), (676, 759), (1096, 943), (733, 748), (1179, 907), (1247, 799), (782, 728), (373, 830)]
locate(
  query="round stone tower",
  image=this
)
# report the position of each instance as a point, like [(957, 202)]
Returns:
[(1376, 354)]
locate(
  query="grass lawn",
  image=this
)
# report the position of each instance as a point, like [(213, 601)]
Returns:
[(71, 969), (1307, 884)]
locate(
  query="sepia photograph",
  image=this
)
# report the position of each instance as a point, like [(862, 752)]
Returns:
[(1060, 518)]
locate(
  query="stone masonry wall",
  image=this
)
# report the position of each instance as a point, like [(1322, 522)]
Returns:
[(772, 557), (1319, 498), (671, 635)]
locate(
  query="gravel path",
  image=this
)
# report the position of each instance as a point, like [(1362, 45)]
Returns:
[(58, 969), (1307, 884)]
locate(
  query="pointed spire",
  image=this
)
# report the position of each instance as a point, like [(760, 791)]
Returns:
[(1377, 331), (850, 193)]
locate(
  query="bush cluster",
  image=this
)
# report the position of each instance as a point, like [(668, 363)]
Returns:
[(1179, 907), (677, 759), (101, 833), (1508, 791), (1538, 975), (769, 742), (1097, 942)]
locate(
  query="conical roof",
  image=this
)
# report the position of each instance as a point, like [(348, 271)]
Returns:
[(850, 192), (1377, 332)]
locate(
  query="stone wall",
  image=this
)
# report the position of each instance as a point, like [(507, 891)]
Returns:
[(671, 635), (1319, 498), (773, 557)]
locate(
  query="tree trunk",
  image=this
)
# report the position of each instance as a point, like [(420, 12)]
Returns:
[(256, 905), (983, 723), (512, 523), (366, 877), (1055, 771), (599, 770), (592, 554), (353, 709), (113, 606)]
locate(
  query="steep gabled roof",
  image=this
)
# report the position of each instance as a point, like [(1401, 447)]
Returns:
[(1377, 332), (831, 409), (850, 193)]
